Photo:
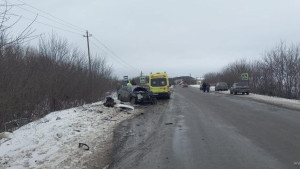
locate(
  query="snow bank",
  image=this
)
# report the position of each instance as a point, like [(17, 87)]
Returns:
[(53, 141), (287, 103), (196, 86)]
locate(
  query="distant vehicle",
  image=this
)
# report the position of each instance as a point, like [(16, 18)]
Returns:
[(136, 94), (159, 85), (185, 85), (240, 88), (221, 86)]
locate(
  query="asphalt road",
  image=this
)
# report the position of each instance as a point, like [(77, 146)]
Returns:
[(195, 130)]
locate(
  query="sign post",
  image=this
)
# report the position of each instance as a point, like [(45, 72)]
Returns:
[(142, 79), (245, 76), (125, 79)]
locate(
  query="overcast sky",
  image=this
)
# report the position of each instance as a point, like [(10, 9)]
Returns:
[(181, 37)]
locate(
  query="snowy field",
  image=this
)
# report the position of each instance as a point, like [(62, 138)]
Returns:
[(288, 103), (53, 141)]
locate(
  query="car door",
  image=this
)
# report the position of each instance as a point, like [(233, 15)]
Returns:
[(128, 93), (232, 88), (217, 87), (122, 93)]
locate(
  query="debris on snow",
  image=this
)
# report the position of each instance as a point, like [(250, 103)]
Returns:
[(109, 102), (124, 106), (108, 119), (59, 135), (84, 146), (168, 123), (52, 142), (99, 111)]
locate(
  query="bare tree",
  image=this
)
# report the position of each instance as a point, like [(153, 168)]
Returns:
[(35, 82), (276, 74), (5, 35)]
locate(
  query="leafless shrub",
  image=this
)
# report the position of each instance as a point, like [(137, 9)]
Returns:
[(34, 82), (229, 74), (276, 74), (281, 71)]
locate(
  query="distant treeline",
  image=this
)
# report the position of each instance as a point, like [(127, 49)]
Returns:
[(34, 82), (276, 74)]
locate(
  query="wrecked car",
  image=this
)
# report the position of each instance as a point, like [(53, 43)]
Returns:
[(136, 94)]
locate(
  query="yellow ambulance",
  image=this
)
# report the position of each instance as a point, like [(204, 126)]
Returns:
[(159, 84)]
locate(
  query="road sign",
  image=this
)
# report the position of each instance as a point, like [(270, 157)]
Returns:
[(125, 79), (245, 76), (142, 79)]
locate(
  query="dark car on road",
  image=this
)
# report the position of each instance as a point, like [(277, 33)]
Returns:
[(240, 88), (136, 94), (221, 86)]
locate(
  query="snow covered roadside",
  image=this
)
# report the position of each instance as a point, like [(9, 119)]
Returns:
[(53, 141), (287, 103)]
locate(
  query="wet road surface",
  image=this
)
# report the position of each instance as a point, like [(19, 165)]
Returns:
[(195, 130)]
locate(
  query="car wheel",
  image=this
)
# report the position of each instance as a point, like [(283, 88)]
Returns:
[(235, 93), (243, 93), (168, 96), (247, 93), (133, 100)]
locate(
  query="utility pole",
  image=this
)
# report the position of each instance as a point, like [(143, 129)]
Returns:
[(90, 89), (88, 45)]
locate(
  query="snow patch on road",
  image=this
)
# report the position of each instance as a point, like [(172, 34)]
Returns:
[(53, 141)]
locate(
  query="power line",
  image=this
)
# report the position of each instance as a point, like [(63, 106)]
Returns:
[(113, 57), (52, 15), (74, 27), (108, 49), (55, 27), (64, 24)]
